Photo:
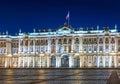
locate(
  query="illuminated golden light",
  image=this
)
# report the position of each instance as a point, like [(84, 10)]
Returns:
[(9, 55)]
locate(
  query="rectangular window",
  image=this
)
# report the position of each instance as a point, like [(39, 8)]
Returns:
[(77, 49), (95, 48), (113, 48), (119, 59), (119, 42), (119, 49)]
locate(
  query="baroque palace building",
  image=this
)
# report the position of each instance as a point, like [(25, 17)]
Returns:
[(65, 47)]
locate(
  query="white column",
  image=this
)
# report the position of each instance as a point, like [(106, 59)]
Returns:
[(80, 44), (49, 45), (72, 58), (45, 61), (6, 60), (35, 59), (103, 44), (23, 61), (40, 61), (98, 61), (115, 45), (72, 46), (81, 61), (19, 61), (63, 49), (19, 45), (40, 46), (56, 44), (115, 63), (92, 62), (34, 51), (48, 61), (103, 61), (24, 46), (6, 50), (70, 62), (67, 46), (28, 46), (59, 61), (110, 61), (33, 62), (98, 39), (28, 62), (92, 44)]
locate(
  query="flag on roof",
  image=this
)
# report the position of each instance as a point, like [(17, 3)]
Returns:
[(67, 17)]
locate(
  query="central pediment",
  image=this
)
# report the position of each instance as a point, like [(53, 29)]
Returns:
[(64, 30)]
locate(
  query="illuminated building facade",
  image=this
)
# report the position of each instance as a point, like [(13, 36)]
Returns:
[(64, 47)]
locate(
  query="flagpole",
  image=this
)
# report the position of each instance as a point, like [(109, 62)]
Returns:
[(68, 21)]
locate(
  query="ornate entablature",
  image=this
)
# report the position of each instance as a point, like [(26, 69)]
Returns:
[(67, 30), (26, 36)]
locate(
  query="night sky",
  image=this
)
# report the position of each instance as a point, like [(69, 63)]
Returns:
[(43, 14)]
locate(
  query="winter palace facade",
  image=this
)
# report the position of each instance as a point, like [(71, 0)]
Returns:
[(64, 47)]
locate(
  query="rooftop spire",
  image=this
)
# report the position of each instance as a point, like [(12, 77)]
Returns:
[(6, 32), (115, 26), (19, 30), (39, 30), (34, 30), (16, 34), (97, 27)]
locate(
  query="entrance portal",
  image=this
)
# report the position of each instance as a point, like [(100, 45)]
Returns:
[(53, 61), (65, 61), (77, 61)]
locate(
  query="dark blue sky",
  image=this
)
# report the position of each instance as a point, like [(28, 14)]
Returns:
[(44, 14)]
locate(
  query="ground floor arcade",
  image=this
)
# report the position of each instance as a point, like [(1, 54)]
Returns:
[(62, 60)]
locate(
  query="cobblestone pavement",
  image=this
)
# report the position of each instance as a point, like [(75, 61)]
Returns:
[(113, 79), (59, 76)]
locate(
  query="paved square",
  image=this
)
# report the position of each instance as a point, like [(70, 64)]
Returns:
[(59, 76)]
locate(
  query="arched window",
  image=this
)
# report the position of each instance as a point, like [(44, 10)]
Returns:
[(53, 41), (31, 42), (77, 41), (95, 41), (70, 41), (65, 41), (41, 42), (1, 45), (101, 41), (107, 40), (59, 41), (112, 40), (46, 42), (26, 43), (21, 43), (119, 42)]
